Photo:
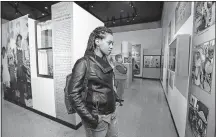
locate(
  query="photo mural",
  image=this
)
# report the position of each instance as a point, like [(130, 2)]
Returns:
[(16, 76)]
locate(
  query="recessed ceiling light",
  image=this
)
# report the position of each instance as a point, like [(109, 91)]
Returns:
[(43, 14), (46, 7), (92, 6)]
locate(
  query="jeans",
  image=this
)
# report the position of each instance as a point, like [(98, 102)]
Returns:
[(120, 87), (104, 129)]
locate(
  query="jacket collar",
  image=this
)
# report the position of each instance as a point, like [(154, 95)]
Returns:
[(101, 62)]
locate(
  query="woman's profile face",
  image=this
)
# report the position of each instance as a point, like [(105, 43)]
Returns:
[(106, 44)]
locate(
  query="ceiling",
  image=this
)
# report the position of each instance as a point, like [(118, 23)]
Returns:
[(112, 13)]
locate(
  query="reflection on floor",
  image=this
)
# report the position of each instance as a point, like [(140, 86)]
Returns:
[(145, 114)]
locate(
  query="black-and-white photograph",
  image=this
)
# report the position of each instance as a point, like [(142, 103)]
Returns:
[(152, 61), (197, 117), (16, 73), (172, 59), (203, 62), (204, 15), (182, 13)]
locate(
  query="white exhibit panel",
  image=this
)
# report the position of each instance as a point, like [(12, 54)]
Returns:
[(42, 88), (176, 99), (70, 39), (83, 24), (126, 51)]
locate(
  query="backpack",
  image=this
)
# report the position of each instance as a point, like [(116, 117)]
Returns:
[(68, 104)]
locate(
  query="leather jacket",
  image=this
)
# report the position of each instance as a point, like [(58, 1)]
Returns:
[(101, 97)]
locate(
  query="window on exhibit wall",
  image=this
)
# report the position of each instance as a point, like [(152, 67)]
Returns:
[(44, 51)]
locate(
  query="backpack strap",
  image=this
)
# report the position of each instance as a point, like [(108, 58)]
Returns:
[(86, 78)]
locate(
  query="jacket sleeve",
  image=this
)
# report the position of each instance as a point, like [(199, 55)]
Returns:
[(75, 89)]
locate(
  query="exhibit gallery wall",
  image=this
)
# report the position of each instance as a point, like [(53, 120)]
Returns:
[(16, 74), (195, 113), (201, 96)]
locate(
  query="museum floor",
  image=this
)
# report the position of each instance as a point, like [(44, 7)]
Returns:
[(145, 114)]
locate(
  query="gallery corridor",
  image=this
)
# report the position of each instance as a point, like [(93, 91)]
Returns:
[(145, 113)]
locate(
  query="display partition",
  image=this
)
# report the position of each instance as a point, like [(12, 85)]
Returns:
[(69, 38), (179, 55), (34, 46), (201, 97), (126, 51)]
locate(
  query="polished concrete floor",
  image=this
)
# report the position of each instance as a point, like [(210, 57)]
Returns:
[(145, 114)]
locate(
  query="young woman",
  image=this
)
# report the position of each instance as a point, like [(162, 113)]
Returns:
[(97, 111)]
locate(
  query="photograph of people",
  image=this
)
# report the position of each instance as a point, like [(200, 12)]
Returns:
[(198, 69), (203, 65), (204, 15), (97, 111)]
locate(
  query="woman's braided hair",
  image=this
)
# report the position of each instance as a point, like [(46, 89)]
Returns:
[(100, 33)]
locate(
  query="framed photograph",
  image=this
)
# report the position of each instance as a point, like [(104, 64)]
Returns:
[(151, 61), (44, 51), (172, 58), (204, 15), (198, 117), (182, 13), (203, 62)]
